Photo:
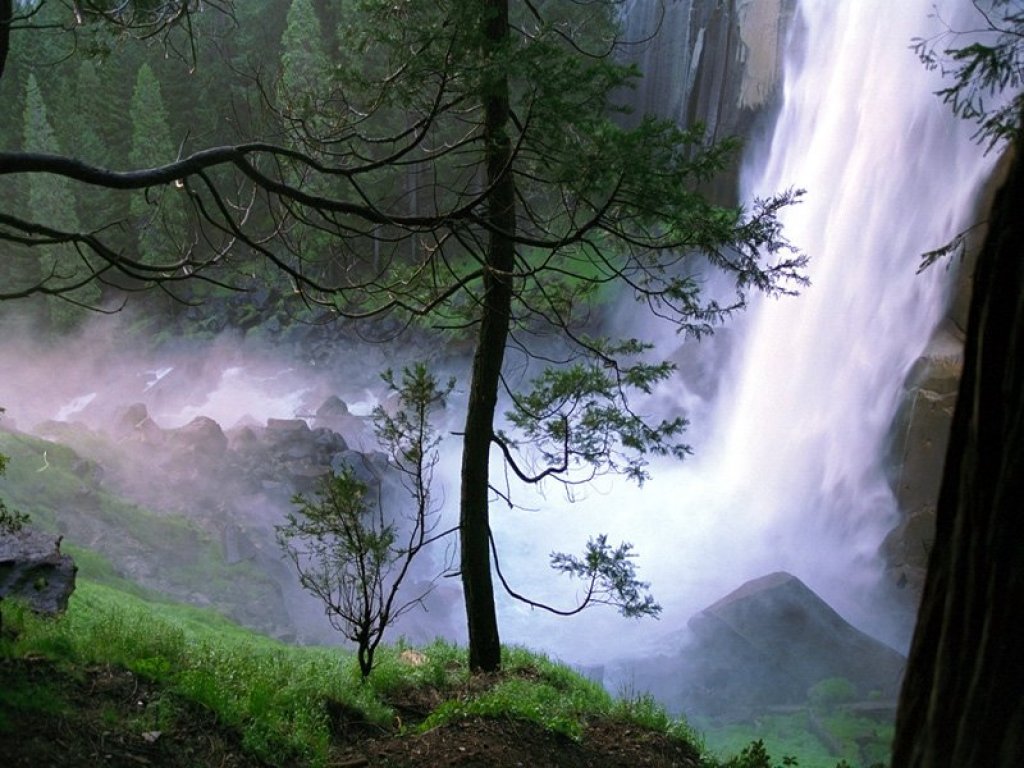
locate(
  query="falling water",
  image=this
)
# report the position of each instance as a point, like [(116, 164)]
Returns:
[(889, 174), (788, 472)]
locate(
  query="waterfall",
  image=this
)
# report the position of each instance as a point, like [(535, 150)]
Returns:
[(788, 470), (889, 174)]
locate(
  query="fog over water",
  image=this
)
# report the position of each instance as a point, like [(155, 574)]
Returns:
[(788, 438)]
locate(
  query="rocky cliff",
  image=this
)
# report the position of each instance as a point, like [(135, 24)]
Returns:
[(715, 62)]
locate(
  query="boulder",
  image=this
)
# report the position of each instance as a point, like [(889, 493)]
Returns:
[(33, 569), (135, 424), (334, 414), (202, 438), (769, 642)]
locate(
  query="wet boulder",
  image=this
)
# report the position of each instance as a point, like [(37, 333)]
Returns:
[(33, 568), (202, 438), (770, 641), (334, 414)]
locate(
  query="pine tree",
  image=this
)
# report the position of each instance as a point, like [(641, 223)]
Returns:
[(305, 68), (159, 215), (50, 201)]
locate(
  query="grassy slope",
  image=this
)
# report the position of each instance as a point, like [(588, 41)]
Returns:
[(64, 493), (276, 693), (280, 697)]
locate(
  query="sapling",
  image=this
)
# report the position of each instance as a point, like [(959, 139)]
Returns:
[(353, 551)]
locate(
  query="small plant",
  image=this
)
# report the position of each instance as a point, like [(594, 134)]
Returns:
[(11, 521), (346, 549), (755, 755), (829, 693)]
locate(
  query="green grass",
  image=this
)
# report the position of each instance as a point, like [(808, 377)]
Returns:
[(272, 693), (862, 741), (58, 490), (277, 696)]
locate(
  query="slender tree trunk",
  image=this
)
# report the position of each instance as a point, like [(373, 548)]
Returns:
[(962, 702), (495, 309), (6, 14)]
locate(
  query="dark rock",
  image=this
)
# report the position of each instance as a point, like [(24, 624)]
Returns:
[(33, 569), (713, 63), (906, 550), (237, 545), (334, 414), (202, 438), (329, 441), (286, 428), (765, 645), (368, 468), (332, 407), (773, 638), (920, 435), (132, 416)]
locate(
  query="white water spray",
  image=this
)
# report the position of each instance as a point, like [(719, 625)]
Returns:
[(790, 473)]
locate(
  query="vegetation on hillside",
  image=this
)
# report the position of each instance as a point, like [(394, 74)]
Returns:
[(118, 678)]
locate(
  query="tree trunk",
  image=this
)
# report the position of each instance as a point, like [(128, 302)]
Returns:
[(6, 14), (962, 702), (495, 316)]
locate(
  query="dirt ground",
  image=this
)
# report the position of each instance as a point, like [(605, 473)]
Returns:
[(105, 716)]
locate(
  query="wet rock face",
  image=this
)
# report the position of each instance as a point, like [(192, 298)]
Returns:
[(773, 639), (712, 62), (920, 435), (33, 569), (764, 645)]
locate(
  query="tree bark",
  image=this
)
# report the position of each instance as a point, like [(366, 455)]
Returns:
[(962, 702), (6, 14), (495, 317)]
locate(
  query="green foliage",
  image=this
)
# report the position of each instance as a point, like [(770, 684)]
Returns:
[(160, 214), (272, 693), (756, 755), (346, 549), (579, 416), (535, 689), (52, 203), (26, 695), (987, 73), (45, 479), (11, 521), (829, 693), (556, 710), (305, 69), (610, 575), (815, 741), (277, 696)]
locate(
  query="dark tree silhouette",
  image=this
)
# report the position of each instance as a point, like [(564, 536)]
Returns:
[(962, 702)]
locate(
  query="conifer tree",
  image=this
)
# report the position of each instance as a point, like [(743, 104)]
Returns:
[(50, 199), (159, 215), (304, 65)]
